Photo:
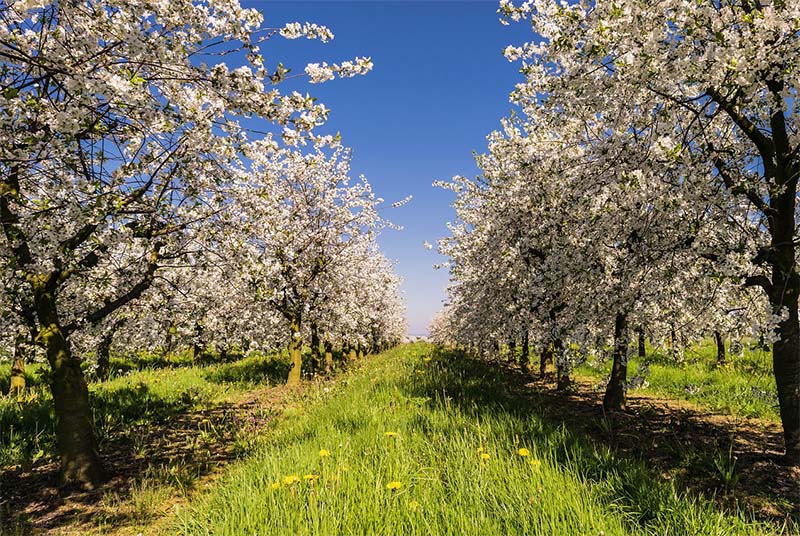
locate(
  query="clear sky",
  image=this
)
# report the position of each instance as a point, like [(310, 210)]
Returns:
[(440, 84)]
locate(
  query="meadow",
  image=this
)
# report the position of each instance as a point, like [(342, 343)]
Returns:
[(416, 440)]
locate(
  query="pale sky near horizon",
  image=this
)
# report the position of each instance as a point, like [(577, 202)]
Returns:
[(440, 85)]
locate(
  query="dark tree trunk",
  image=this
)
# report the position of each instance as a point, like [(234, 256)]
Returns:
[(720, 348), (562, 369), (103, 355), (512, 350), (197, 346), (526, 350), (547, 355), (642, 348), (328, 357), (614, 399), (784, 296)]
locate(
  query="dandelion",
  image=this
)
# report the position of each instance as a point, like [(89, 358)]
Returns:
[(427, 359), (536, 464), (485, 456), (524, 452), (276, 485), (413, 505), (394, 485), (480, 449), (324, 453), (311, 478), (391, 434), (291, 479)]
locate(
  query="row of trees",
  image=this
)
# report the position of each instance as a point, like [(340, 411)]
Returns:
[(152, 195), (648, 185)]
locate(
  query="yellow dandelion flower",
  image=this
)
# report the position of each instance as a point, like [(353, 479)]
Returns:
[(535, 464), (391, 434), (311, 478), (427, 359), (276, 485), (324, 453), (413, 505), (485, 456), (291, 479), (394, 485), (480, 449), (524, 452)]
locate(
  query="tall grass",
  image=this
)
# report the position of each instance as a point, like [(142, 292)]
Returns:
[(427, 442)]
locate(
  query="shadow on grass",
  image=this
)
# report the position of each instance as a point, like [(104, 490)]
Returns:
[(257, 370), (628, 451), (149, 444)]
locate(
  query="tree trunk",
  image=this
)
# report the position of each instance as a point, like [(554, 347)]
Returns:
[(562, 368), (197, 346), (17, 386), (526, 350), (614, 399), (784, 298), (512, 350), (640, 336), (295, 352), (328, 357), (720, 348), (360, 352), (316, 356), (80, 463), (547, 355), (352, 356), (103, 354)]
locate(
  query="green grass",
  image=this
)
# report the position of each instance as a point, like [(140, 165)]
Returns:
[(745, 387), (149, 392), (443, 411)]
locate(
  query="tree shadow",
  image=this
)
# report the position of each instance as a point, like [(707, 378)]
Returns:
[(157, 442), (256, 370), (630, 451)]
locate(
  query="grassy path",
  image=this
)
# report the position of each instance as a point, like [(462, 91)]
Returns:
[(418, 442)]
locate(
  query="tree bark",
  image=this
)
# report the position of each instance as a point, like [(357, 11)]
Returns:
[(103, 355), (641, 340), (328, 357), (316, 357), (562, 370), (512, 350), (784, 298), (80, 462), (526, 350), (720, 348), (17, 385), (547, 355), (295, 351), (197, 346), (352, 356), (614, 399)]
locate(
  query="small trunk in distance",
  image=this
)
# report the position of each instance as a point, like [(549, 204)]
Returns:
[(17, 386), (526, 351), (328, 356), (614, 399), (640, 336), (720, 348), (295, 352), (562, 369)]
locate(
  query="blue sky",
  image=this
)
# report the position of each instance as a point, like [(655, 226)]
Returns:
[(440, 84)]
